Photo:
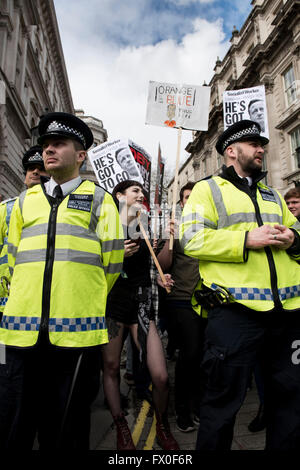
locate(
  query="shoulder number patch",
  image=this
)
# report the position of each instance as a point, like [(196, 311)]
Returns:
[(267, 195)]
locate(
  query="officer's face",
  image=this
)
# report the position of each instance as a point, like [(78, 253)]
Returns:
[(33, 175), (294, 206), (248, 157), (61, 159)]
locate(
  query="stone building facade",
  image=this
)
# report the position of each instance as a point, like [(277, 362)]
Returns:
[(266, 52), (33, 80)]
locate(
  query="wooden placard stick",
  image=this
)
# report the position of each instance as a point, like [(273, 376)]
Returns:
[(153, 255), (175, 184)]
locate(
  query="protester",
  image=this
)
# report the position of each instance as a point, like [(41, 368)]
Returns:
[(247, 243), (34, 169), (130, 304), (66, 251), (185, 325), (292, 199)]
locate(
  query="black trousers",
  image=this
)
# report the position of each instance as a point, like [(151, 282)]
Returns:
[(187, 329), (235, 338), (35, 386)]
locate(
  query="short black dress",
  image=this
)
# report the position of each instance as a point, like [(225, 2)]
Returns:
[(130, 300)]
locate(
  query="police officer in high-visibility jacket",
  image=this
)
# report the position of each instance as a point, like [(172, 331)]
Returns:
[(247, 243), (65, 246), (33, 166)]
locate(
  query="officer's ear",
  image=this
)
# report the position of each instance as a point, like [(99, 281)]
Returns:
[(81, 155), (230, 152)]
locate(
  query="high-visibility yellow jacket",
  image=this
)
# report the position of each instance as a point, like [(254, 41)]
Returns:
[(5, 214), (214, 225), (65, 259)]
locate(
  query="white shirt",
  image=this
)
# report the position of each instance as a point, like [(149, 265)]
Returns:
[(66, 188), (248, 178)]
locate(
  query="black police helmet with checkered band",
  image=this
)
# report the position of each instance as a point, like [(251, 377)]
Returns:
[(33, 156), (240, 131), (65, 125)]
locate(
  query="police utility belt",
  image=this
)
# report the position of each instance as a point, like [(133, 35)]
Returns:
[(210, 298)]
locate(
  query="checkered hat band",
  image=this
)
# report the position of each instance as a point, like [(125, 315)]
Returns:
[(37, 157), (238, 135), (59, 126)]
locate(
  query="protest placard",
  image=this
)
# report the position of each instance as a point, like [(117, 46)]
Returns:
[(159, 178), (143, 160), (113, 162), (178, 105), (247, 103), (158, 191)]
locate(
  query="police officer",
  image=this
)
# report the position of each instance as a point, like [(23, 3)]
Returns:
[(66, 251), (33, 166), (247, 244)]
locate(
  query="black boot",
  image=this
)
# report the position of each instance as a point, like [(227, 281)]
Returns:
[(259, 422)]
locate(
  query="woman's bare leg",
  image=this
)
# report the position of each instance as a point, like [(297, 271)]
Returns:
[(160, 388), (111, 354), (157, 366)]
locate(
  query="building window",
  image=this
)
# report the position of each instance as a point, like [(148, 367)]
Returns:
[(295, 146), (290, 85)]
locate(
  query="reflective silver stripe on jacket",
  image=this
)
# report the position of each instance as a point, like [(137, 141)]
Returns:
[(61, 254), (200, 224), (226, 220), (96, 207), (12, 249), (21, 200), (61, 229), (113, 268), (110, 245), (296, 225)]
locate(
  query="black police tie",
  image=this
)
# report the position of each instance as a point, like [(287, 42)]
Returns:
[(245, 181), (57, 193)]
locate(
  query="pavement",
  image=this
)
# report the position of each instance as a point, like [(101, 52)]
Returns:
[(142, 425)]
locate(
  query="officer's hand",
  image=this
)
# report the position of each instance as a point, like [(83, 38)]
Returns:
[(285, 236), (130, 248), (263, 236)]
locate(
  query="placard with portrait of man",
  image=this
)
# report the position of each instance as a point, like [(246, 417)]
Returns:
[(246, 103)]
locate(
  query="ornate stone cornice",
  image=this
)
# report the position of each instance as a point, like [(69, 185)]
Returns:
[(8, 173), (52, 33)]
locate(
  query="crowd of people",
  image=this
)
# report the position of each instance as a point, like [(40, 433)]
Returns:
[(77, 277)]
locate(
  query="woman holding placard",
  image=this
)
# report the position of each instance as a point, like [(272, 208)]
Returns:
[(130, 304)]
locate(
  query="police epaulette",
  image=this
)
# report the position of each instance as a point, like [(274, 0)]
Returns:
[(8, 200), (97, 184), (205, 178)]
